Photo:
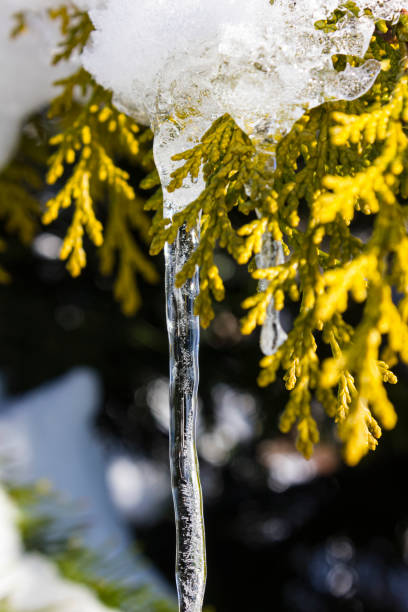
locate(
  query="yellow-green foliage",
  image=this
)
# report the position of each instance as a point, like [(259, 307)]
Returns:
[(93, 136), (339, 160), (227, 155)]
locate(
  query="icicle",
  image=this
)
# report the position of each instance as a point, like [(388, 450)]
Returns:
[(184, 333), (272, 333)]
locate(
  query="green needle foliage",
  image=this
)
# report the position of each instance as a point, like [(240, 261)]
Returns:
[(93, 136), (340, 162), (51, 528)]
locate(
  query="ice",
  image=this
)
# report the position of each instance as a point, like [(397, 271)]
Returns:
[(383, 9), (87, 5), (26, 74), (177, 66), (16, 6)]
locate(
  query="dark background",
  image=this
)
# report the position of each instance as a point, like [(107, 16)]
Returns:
[(334, 541)]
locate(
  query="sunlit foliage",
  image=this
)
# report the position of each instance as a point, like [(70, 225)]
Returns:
[(93, 136), (341, 162)]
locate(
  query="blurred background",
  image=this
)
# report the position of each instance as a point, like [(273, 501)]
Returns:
[(84, 407)]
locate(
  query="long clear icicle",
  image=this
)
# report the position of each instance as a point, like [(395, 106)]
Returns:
[(184, 333)]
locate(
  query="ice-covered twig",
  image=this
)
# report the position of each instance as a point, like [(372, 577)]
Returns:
[(272, 333), (261, 62)]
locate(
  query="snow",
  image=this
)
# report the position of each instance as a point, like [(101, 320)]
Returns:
[(9, 536), (26, 74), (33, 583), (30, 582), (262, 63), (179, 67)]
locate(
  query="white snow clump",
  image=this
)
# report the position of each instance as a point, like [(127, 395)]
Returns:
[(261, 62)]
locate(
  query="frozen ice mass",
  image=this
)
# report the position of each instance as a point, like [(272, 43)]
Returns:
[(262, 63), (195, 60)]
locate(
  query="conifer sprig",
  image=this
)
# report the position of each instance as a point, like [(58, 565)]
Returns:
[(94, 136), (339, 160)]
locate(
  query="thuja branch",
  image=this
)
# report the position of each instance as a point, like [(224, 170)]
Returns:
[(93, 140), (340, 159)]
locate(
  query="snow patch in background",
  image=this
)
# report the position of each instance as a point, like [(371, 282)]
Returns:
[(49, 434), (179, 66), (139, 488), (30, 582)]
